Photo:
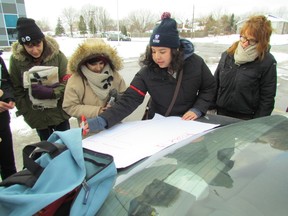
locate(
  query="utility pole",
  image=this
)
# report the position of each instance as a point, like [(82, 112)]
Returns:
[(192, 27), (118, 30)]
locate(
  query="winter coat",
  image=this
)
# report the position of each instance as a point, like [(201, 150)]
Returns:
[(7, 90), (20, 62), (79, 98), (196, 91), (5, 84), (247, 90)]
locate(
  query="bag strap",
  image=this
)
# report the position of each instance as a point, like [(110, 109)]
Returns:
[(33, 170), (145, 115), (44, 146), (175, 93)]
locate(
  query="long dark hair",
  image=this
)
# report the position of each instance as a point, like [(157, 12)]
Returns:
[(176, 64)]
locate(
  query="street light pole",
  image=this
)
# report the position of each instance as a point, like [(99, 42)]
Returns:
[(192, 29), (118, 21)]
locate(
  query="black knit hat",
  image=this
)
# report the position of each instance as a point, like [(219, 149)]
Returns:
[(166, 33), (28, 31)]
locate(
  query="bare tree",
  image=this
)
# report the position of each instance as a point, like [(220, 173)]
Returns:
[(86, 12), (100, 17), (43, 24), (141, 21), (70, 17), (104, 20)]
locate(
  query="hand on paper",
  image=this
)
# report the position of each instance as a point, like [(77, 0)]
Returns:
[(189, 116)]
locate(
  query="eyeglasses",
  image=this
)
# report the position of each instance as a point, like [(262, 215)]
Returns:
[(250, 41)]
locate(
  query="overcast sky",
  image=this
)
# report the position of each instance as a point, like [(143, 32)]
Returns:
[(52, 9)]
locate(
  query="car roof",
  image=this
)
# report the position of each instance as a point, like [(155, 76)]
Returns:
[(237, 169)]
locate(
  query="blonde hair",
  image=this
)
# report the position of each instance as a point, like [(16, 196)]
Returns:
[(260, 27)]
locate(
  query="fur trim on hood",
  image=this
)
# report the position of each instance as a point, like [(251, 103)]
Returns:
[(91, 48), (51, 49)]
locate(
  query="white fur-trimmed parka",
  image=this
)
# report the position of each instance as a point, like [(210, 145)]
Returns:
[(79, 98)]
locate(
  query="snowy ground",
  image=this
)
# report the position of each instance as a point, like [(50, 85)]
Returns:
[(130, 51)]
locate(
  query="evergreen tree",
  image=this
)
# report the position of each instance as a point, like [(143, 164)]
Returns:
[(124, 30), (225, 24), (82, 26), (92, 27), (59, 28), (211, 25), (232, 24)]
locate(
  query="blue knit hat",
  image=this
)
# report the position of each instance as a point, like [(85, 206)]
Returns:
[(166, 33)]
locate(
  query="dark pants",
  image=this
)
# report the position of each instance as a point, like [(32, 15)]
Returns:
[(44, 134), (7, 161)]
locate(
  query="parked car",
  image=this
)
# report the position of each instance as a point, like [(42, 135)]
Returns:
[(238, 170), (114, 37)]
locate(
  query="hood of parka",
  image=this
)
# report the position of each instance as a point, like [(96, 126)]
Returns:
[(92, 48)]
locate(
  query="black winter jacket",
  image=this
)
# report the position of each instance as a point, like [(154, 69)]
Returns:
[(5, 84), (8, 95), (248, 89), (197, 90)]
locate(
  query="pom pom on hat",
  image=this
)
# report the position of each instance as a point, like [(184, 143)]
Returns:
[(166, 33), (165, 15), (28, 31)]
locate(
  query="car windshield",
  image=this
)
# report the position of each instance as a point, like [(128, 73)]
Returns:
[(233, 170)]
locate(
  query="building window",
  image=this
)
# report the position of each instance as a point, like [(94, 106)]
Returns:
[(9, 8), (10, 20)]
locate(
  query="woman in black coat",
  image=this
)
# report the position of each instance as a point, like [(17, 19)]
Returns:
[(246, 76), (168, 61)]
